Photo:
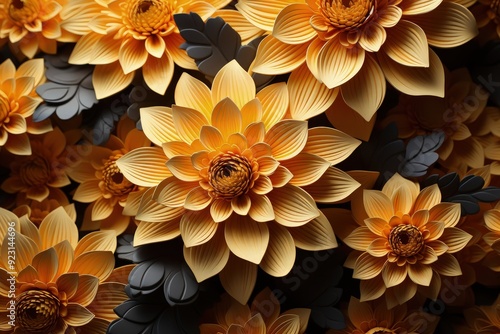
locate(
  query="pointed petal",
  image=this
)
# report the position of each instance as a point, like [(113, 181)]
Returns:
[(330, 144), (132, 55), (372, 37), (455, 238), (68, 283), (447, 265), (261, 209), (419, 6), (152, 211), (394, 274), (77, 315), (158, 72), (18, 144), (109, 79), (182, 168), (197, 199), (144, 166), (407, 44), (85, 264), (87, 290), (197, 227), (234, 82), (188, 123), (275, 57), (172, 192), (109, 295), (367, 266), (158, 125), (194, 94), (360, 238), (428, 198), (280, 254), (292, 206), (315, 235), (151, 232), (274, 99), (154, 45), (57, 226), (46, 265), (371, 289), (179, 56), (247, 238), (261, 13), (287, 138), (377, 205), (220, 210), (238, 278), (333, 186), (359, 312), (292, 24), (420, 274), (99, 240), (306, 168), (226, 117), (448, 213)]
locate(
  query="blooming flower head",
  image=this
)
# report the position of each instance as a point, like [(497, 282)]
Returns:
[(263, 316), (482, 319), (36, 211), (406, 238), (492, 238), (240, 177), (125, 35), (18, 101), (58, 285), (462, 115), (33, 25), (356, 45), (44, 169), (371, 318), (101, 182), (487, 14)]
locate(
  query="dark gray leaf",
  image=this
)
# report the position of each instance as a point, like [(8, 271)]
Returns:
[(420, 154), (328, 317), (181, 287), (488, 195), (470, 183), (122, 326), (43, 111), (53, 92)]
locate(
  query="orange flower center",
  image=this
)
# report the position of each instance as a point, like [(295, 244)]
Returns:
[(37, 311), (230, 175), (346, 14), (114, 181), (24, 11), (34, 171), (406, 240), (148, 17), (380, 330)]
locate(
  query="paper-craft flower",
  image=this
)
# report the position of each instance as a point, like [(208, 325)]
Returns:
[(235, 175), (18, 101), (263, 316), (101, 182), (44, 169), (36, 211), (406, 238), (122, 36), (482, 319), (492, 238), (33, 25), (358, 44), (371, 318), (462, 115), (487, 14), (59, 287)]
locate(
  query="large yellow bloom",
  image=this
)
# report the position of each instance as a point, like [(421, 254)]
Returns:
[(122, 36), (33, 25), (358, 44), (102, 183), (59, 287), (263, 317), (18, 101), (406, 238), (240, 176)]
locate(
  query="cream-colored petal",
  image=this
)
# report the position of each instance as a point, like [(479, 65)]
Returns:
[(306, 168), (377, 225), (287, 138), (286, 323), (419, 6), (88, 191), (308, 97), (377, 205), (420, 274), (492, 219), (420, 218), (275, 57), (238, 22), (261, 208), (455, 238), (220, 210), (330, 144), (337, 64), (241, 205), (367, 266), (172, 192), (292, 206), (274, 99), (16, 124), (389, 16), (158, 72), (447, 265), (18, 144), (315, 235), (192, 93), (197, 227), (261, 13), (158, 124), (448, 25), (448, 213), (85, 264), (414, 80), (254, 133), (188, 123), (57, 226), (208, 259), (83, 49), (246, 238), (360, 238), (280, 254), (226, 117), (366, 90), (154, 45), (393, 274), (151, 232), (144, 166), (372, 37), (402, 200), (152, 211), (182, 168), (132, 55), (238, 278), (251, 113), (333, 186), (428, 198), (407, 44), (9, 68), (292, 24), (234, 82), (109, 79)]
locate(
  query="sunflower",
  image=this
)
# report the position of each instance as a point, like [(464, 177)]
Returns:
[(263, 316), (122, 36), (371, 318), (356, 45), (33, 25), (406, 238), (102, 183), (462, 115), (59, 289), (18, 101), (234, 175), (44, 169)]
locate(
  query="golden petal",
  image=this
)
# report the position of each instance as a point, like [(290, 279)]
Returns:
[(286, 323), (372, 37), (82, 52), (65, 256), (448, 25), (98, 240), (154, 45), (419, 6), (287, 138), (188, 123), (360, 238), (151, 232), (261, 209), (350, 121), (102, 209), (403, 292), (132, 55), (144, 166), (393, 274), (18, 145), (208, 259), (238, 278), (87, 290), (197, 227), (57, 226), (220, 210), (9, 68), (172, 192), (378, 247), (180, 57), (275, 57), (261, 13), (280, 254), (293, 206), (109, 79), (233, 82), (420, 274), (389, 16), (280, 177), (158, 124), (414, 80), (359, 312), (292, 24), (152, 211), (247, 238), (447, 265), (267, 165), (455, 238), (105, 50), (88, 191), (420, 218), (109, 296), (377, 225), (238, 22), (182, 168), (428, 198), (306, 168), (314, 236), (448, 213), (254, 133), (407, 44), (372, 289), (367, 266), (226, 117), (333, 186), (194, 94), (68, 283), (308, 96), (158, 72), (241, 204), (77, 315), (274, 99), (46, 265), (29, 229), (86, 264), (492, 219)]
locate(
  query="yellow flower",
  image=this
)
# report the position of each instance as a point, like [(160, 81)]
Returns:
[(356, 45), (372, 318), (18, 101), (492, 238), (482, 319), (33, 25), (122, 36), (240, 177), (462, 115), (59, 287), (406, 239), (229, 316), (37, 211), (102, 183), (44, 169)]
